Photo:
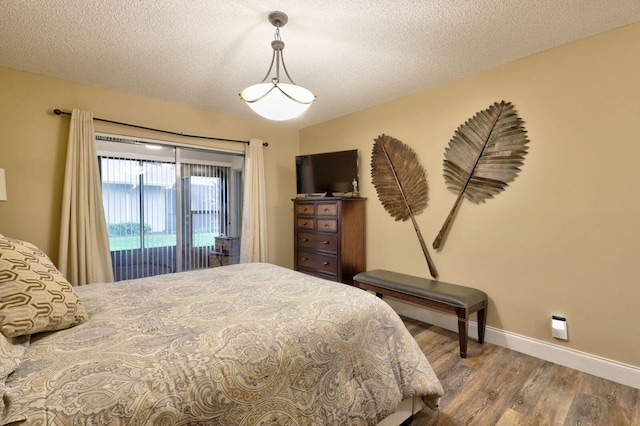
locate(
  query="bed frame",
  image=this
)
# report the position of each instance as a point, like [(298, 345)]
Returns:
[(405, 412)]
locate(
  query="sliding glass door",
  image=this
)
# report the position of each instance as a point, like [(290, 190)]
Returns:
[(165, 206)]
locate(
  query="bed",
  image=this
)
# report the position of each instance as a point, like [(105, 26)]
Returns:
[(249, 344)]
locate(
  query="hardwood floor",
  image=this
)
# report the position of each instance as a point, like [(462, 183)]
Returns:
[(498, 386)]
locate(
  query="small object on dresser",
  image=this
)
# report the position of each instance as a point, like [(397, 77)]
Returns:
[(228, 245), (227, 252)]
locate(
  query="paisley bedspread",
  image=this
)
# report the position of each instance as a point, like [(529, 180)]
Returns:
[(250, 344)]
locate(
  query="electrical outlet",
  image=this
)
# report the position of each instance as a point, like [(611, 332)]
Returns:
[(559, 327)]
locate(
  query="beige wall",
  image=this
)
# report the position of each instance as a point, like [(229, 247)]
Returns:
[(564, 237), (33, 148)]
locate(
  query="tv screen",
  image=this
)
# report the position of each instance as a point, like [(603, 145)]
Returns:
[(330, 172)]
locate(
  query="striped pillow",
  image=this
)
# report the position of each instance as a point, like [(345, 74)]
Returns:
[(34, 295)]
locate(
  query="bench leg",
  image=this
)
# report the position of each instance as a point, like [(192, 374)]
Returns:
[(482, 322), (463, 317)]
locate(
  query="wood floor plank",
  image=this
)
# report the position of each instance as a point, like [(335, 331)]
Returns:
[(635, 413), (497, 386), (619, 399), (510, 374), (438, 345), (454, 379), (479, 395), (414, 326), (513, 418), (588, 410), (533, 389), (554, 405)]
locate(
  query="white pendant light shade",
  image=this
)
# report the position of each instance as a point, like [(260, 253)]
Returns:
[(274, 102)]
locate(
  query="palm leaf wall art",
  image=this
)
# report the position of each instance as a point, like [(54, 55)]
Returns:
[(483, 156), (401, 184)]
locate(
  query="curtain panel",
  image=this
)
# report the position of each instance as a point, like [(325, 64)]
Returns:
[(253, 245), (84, 242)]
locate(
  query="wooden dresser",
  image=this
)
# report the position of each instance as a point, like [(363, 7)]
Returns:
[(330, 237)]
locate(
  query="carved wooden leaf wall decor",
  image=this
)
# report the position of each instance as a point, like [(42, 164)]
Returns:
[(401, 184), (483, 156)]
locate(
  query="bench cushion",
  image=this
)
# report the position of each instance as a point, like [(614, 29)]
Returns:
[(451, 294)]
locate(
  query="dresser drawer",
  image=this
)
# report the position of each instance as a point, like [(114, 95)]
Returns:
[(327, 209), (321, 262), (327, 225), (308, 240), (305, 209), (306, 223)]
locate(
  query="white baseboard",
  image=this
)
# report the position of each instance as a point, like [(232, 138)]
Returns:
[(608, 369)]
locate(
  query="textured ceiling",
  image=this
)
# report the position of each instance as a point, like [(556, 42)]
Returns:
[(351, 53)]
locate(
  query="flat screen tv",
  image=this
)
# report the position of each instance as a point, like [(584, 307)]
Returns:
[(330, 173)]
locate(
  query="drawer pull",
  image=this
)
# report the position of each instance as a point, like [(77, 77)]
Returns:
[(325, 242), (326, 225), (304, 240), (325, 263), (304, 223), (304, 259), (326, 209)]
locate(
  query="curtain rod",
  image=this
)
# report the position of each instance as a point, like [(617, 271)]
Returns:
[(60, 112)]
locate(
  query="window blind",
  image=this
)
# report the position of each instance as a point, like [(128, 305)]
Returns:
[(165, 207)]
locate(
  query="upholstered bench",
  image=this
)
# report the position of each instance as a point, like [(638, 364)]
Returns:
[(450, 298)]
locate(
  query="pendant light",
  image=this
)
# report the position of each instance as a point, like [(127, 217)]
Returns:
[(275, 100)]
